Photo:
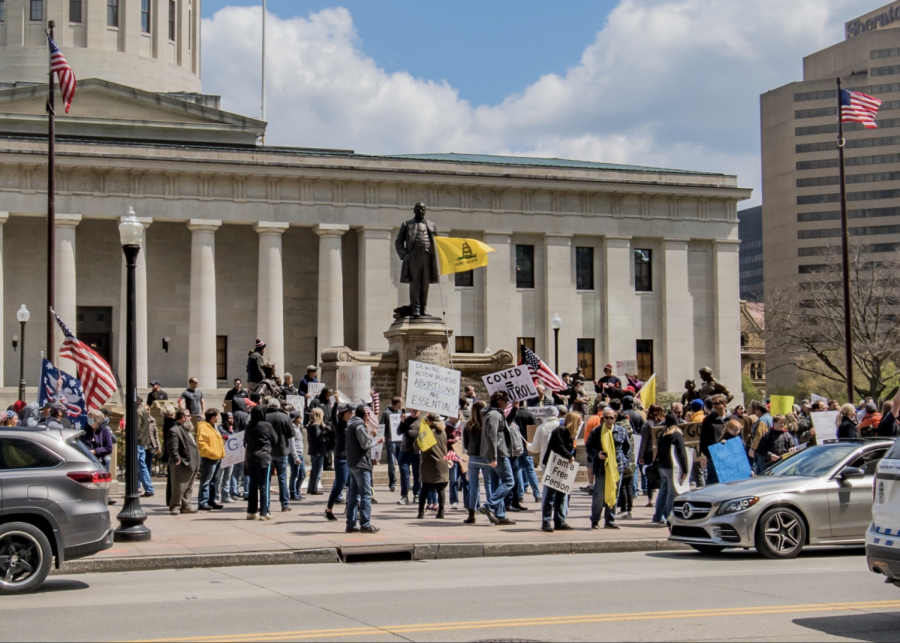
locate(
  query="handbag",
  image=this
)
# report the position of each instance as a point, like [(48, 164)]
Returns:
[(652, 473)]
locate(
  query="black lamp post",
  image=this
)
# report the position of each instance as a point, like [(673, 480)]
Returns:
[(23, 316), (556, 324), (131, 519)]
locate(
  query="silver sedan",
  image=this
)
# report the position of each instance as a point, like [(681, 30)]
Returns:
[(819, 496)]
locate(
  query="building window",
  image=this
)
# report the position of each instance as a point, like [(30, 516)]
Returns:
[(145, 16), (586, 357), (37, 10), (745, 340), (112, 13), (528, 341), (75, 11), (645, 358), (465, 279), (2, 10), (465, 344), (524, 266), (172, 20), (222, 357), (643, 270), (584, 268)]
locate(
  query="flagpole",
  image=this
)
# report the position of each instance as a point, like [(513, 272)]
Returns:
[(264, 66), (444, 311), (845, 251), (51, 210)]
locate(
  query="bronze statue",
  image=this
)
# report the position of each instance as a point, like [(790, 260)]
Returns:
[(690, 393), (711, 386), (417, 249)]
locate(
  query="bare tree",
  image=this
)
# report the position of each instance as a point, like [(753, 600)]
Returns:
[(807, 322)]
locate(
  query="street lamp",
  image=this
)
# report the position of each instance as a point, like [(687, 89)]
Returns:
[(556, 324), (23, 316), (131, 519)]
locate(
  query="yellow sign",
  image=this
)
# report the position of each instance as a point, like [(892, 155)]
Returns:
[(460, 255), (426, 439), (782, 405)]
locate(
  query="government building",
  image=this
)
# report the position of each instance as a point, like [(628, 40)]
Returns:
[(296, 246)]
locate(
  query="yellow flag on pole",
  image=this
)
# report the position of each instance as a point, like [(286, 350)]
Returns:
[(460, 255), (647, 396)]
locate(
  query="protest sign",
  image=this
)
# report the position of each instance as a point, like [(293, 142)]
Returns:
[(432, 389), (378, 448), (297, 401), (782, 405), (730, 461), (682, 487), (813, 398), (825, 424), (234, 450), (516, 381), (627, 367), (540, 413), (395, 425), (355, 382), (559, 475), (315, 389)]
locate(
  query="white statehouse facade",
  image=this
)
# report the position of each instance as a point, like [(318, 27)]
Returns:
[(296, 246)]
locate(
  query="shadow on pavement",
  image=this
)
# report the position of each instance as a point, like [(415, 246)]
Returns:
[(859, 627), (61, 585), (750, 554)]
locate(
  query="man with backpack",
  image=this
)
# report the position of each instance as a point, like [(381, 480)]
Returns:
[(495, 447)]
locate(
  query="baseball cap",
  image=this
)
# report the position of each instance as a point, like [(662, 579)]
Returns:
[(311, 368), (58, 407), (296, 413), (155, 383)]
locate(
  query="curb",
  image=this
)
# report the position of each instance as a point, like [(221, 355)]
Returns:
[(334, 555)]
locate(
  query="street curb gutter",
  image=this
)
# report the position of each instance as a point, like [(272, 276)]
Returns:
[(333, 555)]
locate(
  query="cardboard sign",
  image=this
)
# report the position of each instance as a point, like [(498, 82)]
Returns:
[(825, 424), (782, 405), (682, 487), (234, 450), (516, 381), (395, 420), (378, 448), (559, 475), (355, 382), (315, 389), (730, 461), (627, 367), (433, 389), (297, 401), (690, 430)]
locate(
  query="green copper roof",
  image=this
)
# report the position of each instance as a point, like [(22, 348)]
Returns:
[(541, 162)]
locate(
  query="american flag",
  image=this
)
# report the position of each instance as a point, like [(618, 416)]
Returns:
[(96, 376), (540, 371), (376, 403), (64, 73), (371, 420), (859, 108)]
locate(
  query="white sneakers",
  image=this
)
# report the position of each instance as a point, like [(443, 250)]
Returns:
[(252, 516)]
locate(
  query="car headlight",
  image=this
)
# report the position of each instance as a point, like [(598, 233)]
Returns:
[(736, 505)]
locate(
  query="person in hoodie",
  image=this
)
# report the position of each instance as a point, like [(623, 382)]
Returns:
[(496, 449), (260, 440), (298, 467), (359, 443), (343, 414), (223, 477), (240, 479), (212, 451), (281, 455), (711, 432), (321, 441)]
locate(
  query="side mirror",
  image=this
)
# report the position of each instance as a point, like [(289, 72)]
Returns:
[(852, 472)]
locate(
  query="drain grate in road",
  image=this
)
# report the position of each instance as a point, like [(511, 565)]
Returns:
[(376, 554)]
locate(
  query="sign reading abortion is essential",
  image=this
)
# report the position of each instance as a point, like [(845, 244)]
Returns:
[(433, 389), (234, 450), (516, 381), (730, 460), (559, 475)]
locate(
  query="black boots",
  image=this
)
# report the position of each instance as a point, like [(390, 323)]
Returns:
[(471, 519)]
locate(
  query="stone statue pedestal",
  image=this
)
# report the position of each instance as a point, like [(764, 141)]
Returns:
[(421, 340)]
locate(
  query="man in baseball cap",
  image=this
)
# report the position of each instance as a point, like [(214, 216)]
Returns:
[(309, 378)]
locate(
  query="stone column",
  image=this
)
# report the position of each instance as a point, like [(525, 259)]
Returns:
[(619, 321), (499, 282), (202, 338), (66, 306), (331, 287), (677, 317), (560, 289), (726, 288), (4, 216), (270, 291), (140, 278), (375, 306)]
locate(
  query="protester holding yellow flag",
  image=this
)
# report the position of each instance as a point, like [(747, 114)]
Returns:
[(609, 447), (460, 255)]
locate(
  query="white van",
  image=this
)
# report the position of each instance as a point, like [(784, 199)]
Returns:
[(883, 537)]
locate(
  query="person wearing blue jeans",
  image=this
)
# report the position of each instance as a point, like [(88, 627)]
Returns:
[(360, 441), (665, 499), (529, 476), (502, 484), (409, 459), (208, 470), (317, 463), (145, 461), (671, 437), (282, 467), (359, 501), (495, 448), (344, 413), (391, 448), (259, 491)]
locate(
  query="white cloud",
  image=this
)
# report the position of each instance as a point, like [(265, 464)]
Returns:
[(666, 83)]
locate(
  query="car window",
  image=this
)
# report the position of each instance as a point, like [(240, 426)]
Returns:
[(813, 462), (868, 461), (894, 453), (75, 443), (18, 453)]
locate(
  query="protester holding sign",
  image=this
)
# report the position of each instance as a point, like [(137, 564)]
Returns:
[(435, 472), (777, 441), (388, 417), (561, 443), (671, 437), (409, 459), (321, 440), (360, 442)]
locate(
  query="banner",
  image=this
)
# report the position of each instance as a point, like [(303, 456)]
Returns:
[(461, 255), (433, 389), (559, 475), (355, 382), (825, 424), (730, 460), (781, 405), (516, 381), (628, 367), (59, 386), (647, 394), (234, 450)]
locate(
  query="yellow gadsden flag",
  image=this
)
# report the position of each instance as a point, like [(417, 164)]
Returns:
[(460, 255), (647, 396)]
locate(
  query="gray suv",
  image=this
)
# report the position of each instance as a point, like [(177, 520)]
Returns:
[(53, 504)]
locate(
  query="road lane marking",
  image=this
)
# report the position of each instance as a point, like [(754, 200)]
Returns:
[(369, 631)]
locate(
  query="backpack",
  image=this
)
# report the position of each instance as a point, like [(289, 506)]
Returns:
[(516, 446)]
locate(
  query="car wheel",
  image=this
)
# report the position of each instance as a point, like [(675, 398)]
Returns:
[(25, 558), (780, 533), (709, 549)]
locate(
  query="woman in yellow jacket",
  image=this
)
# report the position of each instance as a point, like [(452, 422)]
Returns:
[(212, 450)]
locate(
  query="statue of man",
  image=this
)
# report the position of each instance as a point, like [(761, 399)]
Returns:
[(418, 251), (711, 386)]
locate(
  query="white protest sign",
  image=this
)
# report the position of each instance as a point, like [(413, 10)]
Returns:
[(234, 450), (813, 398), (315, 389), (628, 367), (297, 401), (395, 425), (378, 448), (433, 389), (682, 487), (559, 475), (539, 412), (355, 382), (825, 423), (516, 381)]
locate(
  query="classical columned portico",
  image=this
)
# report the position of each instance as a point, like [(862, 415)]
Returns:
[(726, 289), (331, 287), (202, 337), (559, 294), (140, 276), (270, 292), (498, 332), (620, 328), (677, 317), (66, 305), (375, 307)]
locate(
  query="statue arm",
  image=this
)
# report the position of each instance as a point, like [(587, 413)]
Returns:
[(400, 243)]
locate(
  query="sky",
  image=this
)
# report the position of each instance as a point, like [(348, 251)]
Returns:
[(663, 83)]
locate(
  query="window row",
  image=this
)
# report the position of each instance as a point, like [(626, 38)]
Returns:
[(76, 15), (872, 90), (831, 146), (873, 177), (885, 71), (817, 251), (853, 161), (864, 231), (832, 128), (893, 52), (867, 213)]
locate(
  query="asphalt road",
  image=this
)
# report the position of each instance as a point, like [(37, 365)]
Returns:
[(823, 595)]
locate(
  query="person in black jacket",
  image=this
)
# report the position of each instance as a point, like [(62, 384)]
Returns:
[(359, 444), (284, 429), (671, 437), (562, 443), (239, 476), (777, 441), (887, 428), (321, 440), (409, 457), (343, 414), (711, 432), (259, 441)]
